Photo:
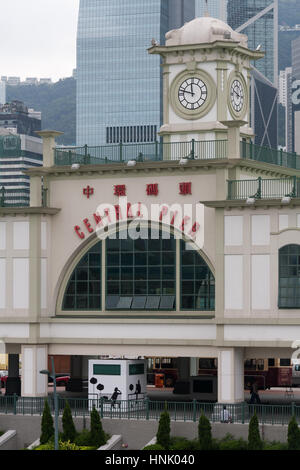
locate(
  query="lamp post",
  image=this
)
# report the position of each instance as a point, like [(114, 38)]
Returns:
[(53, 375)]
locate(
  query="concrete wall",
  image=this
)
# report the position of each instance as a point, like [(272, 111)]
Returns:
[(8, 441), (136, 433)]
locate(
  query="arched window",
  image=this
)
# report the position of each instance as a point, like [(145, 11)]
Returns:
[(141, 273), (289, 277), (84, 288), (197, 281)]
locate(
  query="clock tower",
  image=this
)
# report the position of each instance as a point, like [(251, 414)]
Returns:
[(206, 82)]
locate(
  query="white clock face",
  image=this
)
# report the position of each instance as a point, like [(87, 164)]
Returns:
[(192, 93), (237, 95)]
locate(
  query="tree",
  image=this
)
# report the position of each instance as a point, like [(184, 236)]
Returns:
[(293, 435), (254, 440), (163, 437), (97, 434), (46, 425), (204, 433), (69, 431)]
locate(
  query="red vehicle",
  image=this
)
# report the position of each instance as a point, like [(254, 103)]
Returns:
[(61, 380), (266, 372)]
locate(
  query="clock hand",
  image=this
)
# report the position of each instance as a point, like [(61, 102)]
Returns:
[(185, 91)]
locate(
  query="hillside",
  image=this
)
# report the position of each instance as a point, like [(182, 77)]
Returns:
[(57, 103)]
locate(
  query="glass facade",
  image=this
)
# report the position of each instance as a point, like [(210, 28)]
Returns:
[(215, 8), (264, 108), (84, 288), (259, 31), (141, 274), (197, 281), (118, 82), (289, 277)]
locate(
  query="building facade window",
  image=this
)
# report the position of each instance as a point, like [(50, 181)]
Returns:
[(289, 277), (84, 288), (141, 274), (197, 281)]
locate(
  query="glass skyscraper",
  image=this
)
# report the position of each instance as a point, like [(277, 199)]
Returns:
[(258, 19), (119, 85), (215, 8)]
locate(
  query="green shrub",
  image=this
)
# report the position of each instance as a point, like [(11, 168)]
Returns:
[(83, 438), (254, 440), (97, 436), (204, 433), (153, 447), (293, 435), (164, 428), (229, 443), (46, 425), (63, 445), (69, 431), (275, 446), (181, 443)]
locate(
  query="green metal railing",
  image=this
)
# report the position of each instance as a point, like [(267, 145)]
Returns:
[(154, 151), (150, 410), (252, 151), (263, 188)]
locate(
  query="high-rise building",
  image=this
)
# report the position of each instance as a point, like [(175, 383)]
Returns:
[(2, 92), (258, 19), (20, 149), (215, 8), (119, 85), (295, 94), (296, 58)]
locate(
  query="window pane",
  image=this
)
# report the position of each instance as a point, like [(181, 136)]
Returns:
[(197, 281), (289, 277)]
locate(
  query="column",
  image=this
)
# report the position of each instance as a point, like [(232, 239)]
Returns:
[(34, 359), (13, 381), (75, 382), (48, 146), (230, 375), (234, 137)]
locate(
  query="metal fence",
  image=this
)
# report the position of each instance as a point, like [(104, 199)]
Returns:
[(154, 151), (263, 188), (146, 409), (267, 155)]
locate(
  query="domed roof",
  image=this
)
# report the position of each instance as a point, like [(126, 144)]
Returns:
[(204, 30)]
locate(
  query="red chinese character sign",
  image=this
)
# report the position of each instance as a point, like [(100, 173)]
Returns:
[(185, 188), (88, 191), (152, 189), (120, 190)]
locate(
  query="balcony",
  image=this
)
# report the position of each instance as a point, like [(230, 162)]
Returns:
[(155, 151), (251, 151), (263, 188)]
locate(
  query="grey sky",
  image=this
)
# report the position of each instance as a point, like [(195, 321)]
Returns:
[(38, 38)]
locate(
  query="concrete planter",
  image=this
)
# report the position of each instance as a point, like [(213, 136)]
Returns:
[(150, 443), (114, 443), (8, 441), (34, 444)]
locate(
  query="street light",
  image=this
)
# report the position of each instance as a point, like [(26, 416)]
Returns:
[(53, 375)]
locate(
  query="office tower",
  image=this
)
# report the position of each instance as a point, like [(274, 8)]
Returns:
[(215, 8), (263, 100), (20, 148), (2, 92), (16, 118), (258, 19), (119, 85), (295, 95), (289, 111), (296, 58)]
